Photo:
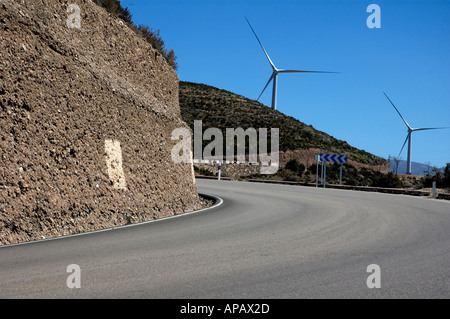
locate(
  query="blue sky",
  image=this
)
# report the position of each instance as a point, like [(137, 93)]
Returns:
[(408, 58)]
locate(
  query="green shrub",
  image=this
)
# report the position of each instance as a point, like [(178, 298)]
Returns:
[(389, 180), (153, 37), (442, 179), (202, 171), (115, 8), (446, 179), (294, 166)]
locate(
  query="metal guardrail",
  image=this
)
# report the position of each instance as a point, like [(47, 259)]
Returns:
[(212, 177), (361, 188), (348, 187)]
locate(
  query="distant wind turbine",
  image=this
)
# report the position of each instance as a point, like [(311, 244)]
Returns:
[(408, 137), (276, 71)]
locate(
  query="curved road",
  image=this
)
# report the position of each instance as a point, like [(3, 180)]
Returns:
[(264, 241)]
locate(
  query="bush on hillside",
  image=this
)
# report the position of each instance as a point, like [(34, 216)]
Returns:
[(157, 43), (114, 7), (295, 167), (442, 179), (153, 37)]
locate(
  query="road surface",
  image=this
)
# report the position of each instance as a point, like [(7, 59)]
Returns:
[(264, 241)]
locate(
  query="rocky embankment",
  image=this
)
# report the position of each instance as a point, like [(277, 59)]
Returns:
[(86, 116)]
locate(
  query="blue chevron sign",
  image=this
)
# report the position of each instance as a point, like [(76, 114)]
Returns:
[(333, 158)]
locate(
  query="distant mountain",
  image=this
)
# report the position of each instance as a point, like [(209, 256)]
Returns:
[(223, 109), (416, 168)]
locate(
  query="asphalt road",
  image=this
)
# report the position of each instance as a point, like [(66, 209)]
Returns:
[(264, 241)]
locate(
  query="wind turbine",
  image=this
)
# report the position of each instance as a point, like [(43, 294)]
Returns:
[(408, 137), (276, 71)]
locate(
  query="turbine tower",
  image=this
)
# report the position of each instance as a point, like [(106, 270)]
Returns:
[(408, 137), (276, 71)]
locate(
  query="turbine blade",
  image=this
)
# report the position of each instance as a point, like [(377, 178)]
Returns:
[(430, 128), (301, 71), (270, 79), (409, 127), (407, 136), (265, 52)]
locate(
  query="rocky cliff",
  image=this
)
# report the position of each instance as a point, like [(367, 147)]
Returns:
[(87, 109)]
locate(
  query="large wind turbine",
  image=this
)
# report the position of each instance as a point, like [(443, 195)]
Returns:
[(277, 71), (408, 137)]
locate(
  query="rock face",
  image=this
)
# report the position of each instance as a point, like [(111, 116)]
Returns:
[(86, 116)]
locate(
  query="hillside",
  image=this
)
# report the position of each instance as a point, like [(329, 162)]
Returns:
[(86, 115), (223, 109)]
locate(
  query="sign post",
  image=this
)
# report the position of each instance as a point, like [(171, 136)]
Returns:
[(324, 158), (317, 169), (434, 187), (321, 172)]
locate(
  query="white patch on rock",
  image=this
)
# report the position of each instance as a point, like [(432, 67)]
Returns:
[(114, 163)]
